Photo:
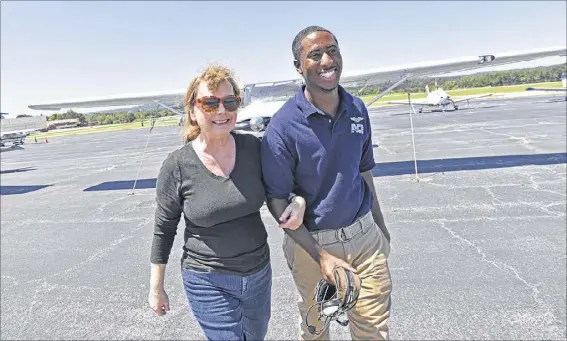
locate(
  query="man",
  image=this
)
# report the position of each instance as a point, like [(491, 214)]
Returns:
[(319, 146)]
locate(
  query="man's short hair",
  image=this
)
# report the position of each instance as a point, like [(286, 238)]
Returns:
[(296, 45)]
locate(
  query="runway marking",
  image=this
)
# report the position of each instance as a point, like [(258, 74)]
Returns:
[(449, 128), (486, 218), (101, 208), (525, 140), (385, 148), (15, 283), (532, 287), (112, 219), (499, 265), (100, 253)]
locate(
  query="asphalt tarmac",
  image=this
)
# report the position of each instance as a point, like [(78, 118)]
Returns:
[(478, 237)]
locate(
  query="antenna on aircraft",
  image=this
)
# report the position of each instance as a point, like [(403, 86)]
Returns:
[(152, 124), (411, 108)]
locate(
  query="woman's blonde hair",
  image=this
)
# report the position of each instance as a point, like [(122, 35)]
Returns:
[(213, 76)]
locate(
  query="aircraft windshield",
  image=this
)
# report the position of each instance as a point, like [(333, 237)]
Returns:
[(272, 92)]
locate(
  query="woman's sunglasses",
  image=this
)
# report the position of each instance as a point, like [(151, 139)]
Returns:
[(211, 104)]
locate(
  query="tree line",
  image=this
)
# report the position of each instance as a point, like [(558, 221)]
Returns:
[(500, 78), (109, 118)]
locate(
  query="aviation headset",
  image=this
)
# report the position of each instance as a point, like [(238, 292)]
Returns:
[(334, 301)]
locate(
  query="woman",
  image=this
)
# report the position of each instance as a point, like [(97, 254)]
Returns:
[(215, 180)]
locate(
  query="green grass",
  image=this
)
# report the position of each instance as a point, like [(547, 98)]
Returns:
[(462, 92)]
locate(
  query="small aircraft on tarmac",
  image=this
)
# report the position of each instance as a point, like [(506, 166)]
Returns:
[(16, 138), (438, 99), (15, 133)]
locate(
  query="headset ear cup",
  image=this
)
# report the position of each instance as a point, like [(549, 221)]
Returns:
[(357, 284), (323, 291), (348, 287), (330, 307), (342, 278)]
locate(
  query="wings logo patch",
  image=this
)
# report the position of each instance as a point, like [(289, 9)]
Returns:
[(357, 119), (357, 127)]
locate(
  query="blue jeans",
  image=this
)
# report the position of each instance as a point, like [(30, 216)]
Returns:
[(230, 307)]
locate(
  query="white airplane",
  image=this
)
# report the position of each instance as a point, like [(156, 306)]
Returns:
[(438, 99), (16, 138), (563, 89), (262, 100)]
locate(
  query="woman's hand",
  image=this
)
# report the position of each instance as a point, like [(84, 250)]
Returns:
[(292, 217), (159, 301), (157, 298)]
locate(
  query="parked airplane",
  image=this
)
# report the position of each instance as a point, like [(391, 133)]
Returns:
[(438, 99), (262, 100), (16, 138), (563, 89)]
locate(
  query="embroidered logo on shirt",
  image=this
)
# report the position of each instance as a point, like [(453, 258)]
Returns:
[(357, 127)]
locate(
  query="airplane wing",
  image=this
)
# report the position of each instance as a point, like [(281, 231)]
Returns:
[(357, 79), (468, 98), (110, 101), (547, 89), (562, 89)]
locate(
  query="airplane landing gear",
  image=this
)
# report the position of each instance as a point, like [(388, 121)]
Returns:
[(455, 106)]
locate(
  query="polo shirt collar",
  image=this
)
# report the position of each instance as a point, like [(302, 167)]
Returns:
[(308, 109)]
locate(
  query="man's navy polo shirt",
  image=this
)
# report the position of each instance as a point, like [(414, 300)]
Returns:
[(306, 152)]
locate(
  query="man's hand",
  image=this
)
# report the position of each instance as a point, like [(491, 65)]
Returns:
[(376, 211), (292, 217), (328, 263)]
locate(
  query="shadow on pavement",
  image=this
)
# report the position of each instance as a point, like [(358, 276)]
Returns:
[(14, 190), (123, 185), (469, 163)]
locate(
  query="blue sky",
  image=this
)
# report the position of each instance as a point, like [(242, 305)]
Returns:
[(66, 50)]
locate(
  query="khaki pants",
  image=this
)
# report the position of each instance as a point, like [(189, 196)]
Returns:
[(362, 245)]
